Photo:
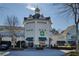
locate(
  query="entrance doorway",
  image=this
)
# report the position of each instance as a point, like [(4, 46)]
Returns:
[(30, 44), (42, 41), (30, 41)]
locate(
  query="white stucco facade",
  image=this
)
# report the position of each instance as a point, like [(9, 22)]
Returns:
[(38, 27), (57, 37), (6, 34), (68, 35)]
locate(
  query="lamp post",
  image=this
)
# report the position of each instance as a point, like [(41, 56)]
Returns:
[(20, 44), (0, 38)]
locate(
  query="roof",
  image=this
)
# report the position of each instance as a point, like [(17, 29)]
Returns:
[(36, 16), (71, 27), (6, 28), (9, 34), (2, 26)]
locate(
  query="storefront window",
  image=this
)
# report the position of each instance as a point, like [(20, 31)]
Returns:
[(60, 43), (72, 43)]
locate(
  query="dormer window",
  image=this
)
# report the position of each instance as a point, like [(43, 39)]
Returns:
[(30, 16), (41, 16)]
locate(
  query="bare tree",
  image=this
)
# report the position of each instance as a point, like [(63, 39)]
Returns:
[(12, 23), (72, 9)]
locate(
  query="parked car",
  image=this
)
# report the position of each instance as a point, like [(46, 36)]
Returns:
[(4, 46)]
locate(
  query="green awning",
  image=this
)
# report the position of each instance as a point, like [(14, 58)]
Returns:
[(42, 38), (29, 38)]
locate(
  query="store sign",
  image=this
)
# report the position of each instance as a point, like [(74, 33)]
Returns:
[(42, 33)]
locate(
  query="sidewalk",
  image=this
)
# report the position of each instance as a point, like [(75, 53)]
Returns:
[(4, 53)]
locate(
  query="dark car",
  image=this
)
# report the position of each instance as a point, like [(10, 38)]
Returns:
[(4, 46)]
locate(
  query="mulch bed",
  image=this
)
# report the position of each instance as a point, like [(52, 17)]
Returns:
[(65, 48), (73, 53)]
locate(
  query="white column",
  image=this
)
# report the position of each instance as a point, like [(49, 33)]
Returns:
[(48, 28), (36, 42), (25, 32)]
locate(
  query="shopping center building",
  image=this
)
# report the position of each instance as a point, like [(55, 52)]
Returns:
[(37, 31)]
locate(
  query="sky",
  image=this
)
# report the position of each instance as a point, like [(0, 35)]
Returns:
[(21, 10)]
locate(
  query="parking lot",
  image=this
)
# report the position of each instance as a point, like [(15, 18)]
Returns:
[(34, 52)]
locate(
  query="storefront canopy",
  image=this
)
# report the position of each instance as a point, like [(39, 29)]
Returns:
[(29, 39), (42, 38)]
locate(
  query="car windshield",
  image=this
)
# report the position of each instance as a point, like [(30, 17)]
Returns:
[(4, 45)]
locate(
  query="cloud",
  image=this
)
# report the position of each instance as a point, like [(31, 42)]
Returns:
[(30, 7)]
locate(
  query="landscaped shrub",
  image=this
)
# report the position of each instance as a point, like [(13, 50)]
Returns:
[(72, 54), (38, 47), (63, 47)]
